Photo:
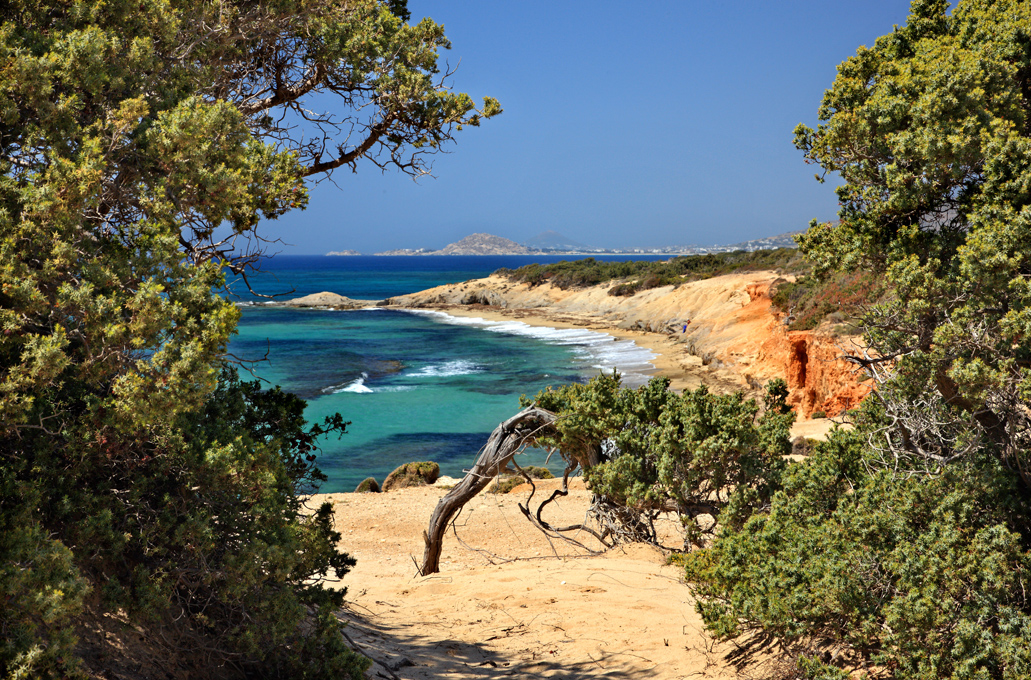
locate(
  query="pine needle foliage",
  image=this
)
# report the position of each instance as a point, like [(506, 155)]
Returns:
[(141, 145), (902, 549)]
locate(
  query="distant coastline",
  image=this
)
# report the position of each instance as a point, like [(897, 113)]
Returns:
[(488, 244)]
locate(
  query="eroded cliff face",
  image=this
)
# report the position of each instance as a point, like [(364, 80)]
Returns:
[(811, 362), (725, 325)]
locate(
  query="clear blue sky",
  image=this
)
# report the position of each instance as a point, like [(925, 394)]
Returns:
[(626, 124)]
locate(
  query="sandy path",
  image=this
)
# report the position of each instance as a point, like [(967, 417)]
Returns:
[(504, 604)]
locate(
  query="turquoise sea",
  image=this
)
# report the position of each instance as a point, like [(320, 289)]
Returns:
[(415, 386)]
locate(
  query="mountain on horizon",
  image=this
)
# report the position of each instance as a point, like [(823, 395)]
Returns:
[(483, 244), (552, 240)]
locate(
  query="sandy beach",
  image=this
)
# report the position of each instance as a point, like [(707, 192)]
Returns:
[(673, 357), (508, 602)]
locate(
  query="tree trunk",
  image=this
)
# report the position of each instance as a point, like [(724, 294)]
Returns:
[(506, 440)]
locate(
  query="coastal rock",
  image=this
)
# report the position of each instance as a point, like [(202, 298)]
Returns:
[(484, 296), (368, 485), (330, 300)]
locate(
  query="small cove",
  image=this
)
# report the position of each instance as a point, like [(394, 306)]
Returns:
[(416, 385)]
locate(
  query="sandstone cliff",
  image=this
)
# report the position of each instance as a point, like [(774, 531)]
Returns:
[(725, 324)]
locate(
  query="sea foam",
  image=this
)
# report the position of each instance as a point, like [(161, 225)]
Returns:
[(357, 386), (596, 350), (446, 369)]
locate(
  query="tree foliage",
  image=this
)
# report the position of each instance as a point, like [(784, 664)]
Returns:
[(902, 548), (930, 131), (646, 451), (140, 145)]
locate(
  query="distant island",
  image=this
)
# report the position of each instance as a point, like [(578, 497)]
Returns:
[(554, 243), (474, 244)]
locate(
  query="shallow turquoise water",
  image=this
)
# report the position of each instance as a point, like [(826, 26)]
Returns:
[(415, 386)]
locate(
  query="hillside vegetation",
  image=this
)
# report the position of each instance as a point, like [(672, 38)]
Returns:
[(837, 297), (643, 275)]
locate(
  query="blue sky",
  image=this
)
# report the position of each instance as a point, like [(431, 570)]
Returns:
[(626, 124)]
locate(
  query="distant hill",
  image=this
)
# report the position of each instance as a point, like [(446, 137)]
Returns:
[(484, 244), (474, 244), (552, 240), (343, 253)]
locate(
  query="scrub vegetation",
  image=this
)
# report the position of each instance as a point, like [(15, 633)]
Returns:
[(643, 275), (149, 498), (902, 548)]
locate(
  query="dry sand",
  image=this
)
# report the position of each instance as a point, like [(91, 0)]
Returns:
[(509, 602)]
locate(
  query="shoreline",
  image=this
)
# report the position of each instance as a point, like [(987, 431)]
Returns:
[(665, 362), (686, 371), (720, 332)]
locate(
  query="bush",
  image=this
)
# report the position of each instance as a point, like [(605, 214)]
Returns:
[(200, 535), (836, 297), (647, 449), (412, 474), (921, 576), (367, 485)]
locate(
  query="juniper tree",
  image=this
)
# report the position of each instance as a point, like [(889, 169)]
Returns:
[(902, 548), (141, 144)]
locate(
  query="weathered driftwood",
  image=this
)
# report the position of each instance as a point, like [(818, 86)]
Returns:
[(506, 440)]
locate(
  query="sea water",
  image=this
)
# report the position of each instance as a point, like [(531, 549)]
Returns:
[(415, 385)]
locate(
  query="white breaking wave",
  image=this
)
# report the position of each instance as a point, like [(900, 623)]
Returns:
[(447, 369), (597, 350), (357, 386)]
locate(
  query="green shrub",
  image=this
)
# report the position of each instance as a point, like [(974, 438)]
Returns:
[(412, 474), (922, 576), (367, 485), (647, 449)]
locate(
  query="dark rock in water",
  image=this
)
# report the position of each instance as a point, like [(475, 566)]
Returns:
[(382, 367), (412, 474), (368, 485)]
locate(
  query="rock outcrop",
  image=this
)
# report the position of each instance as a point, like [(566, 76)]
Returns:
[(327, 300)]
